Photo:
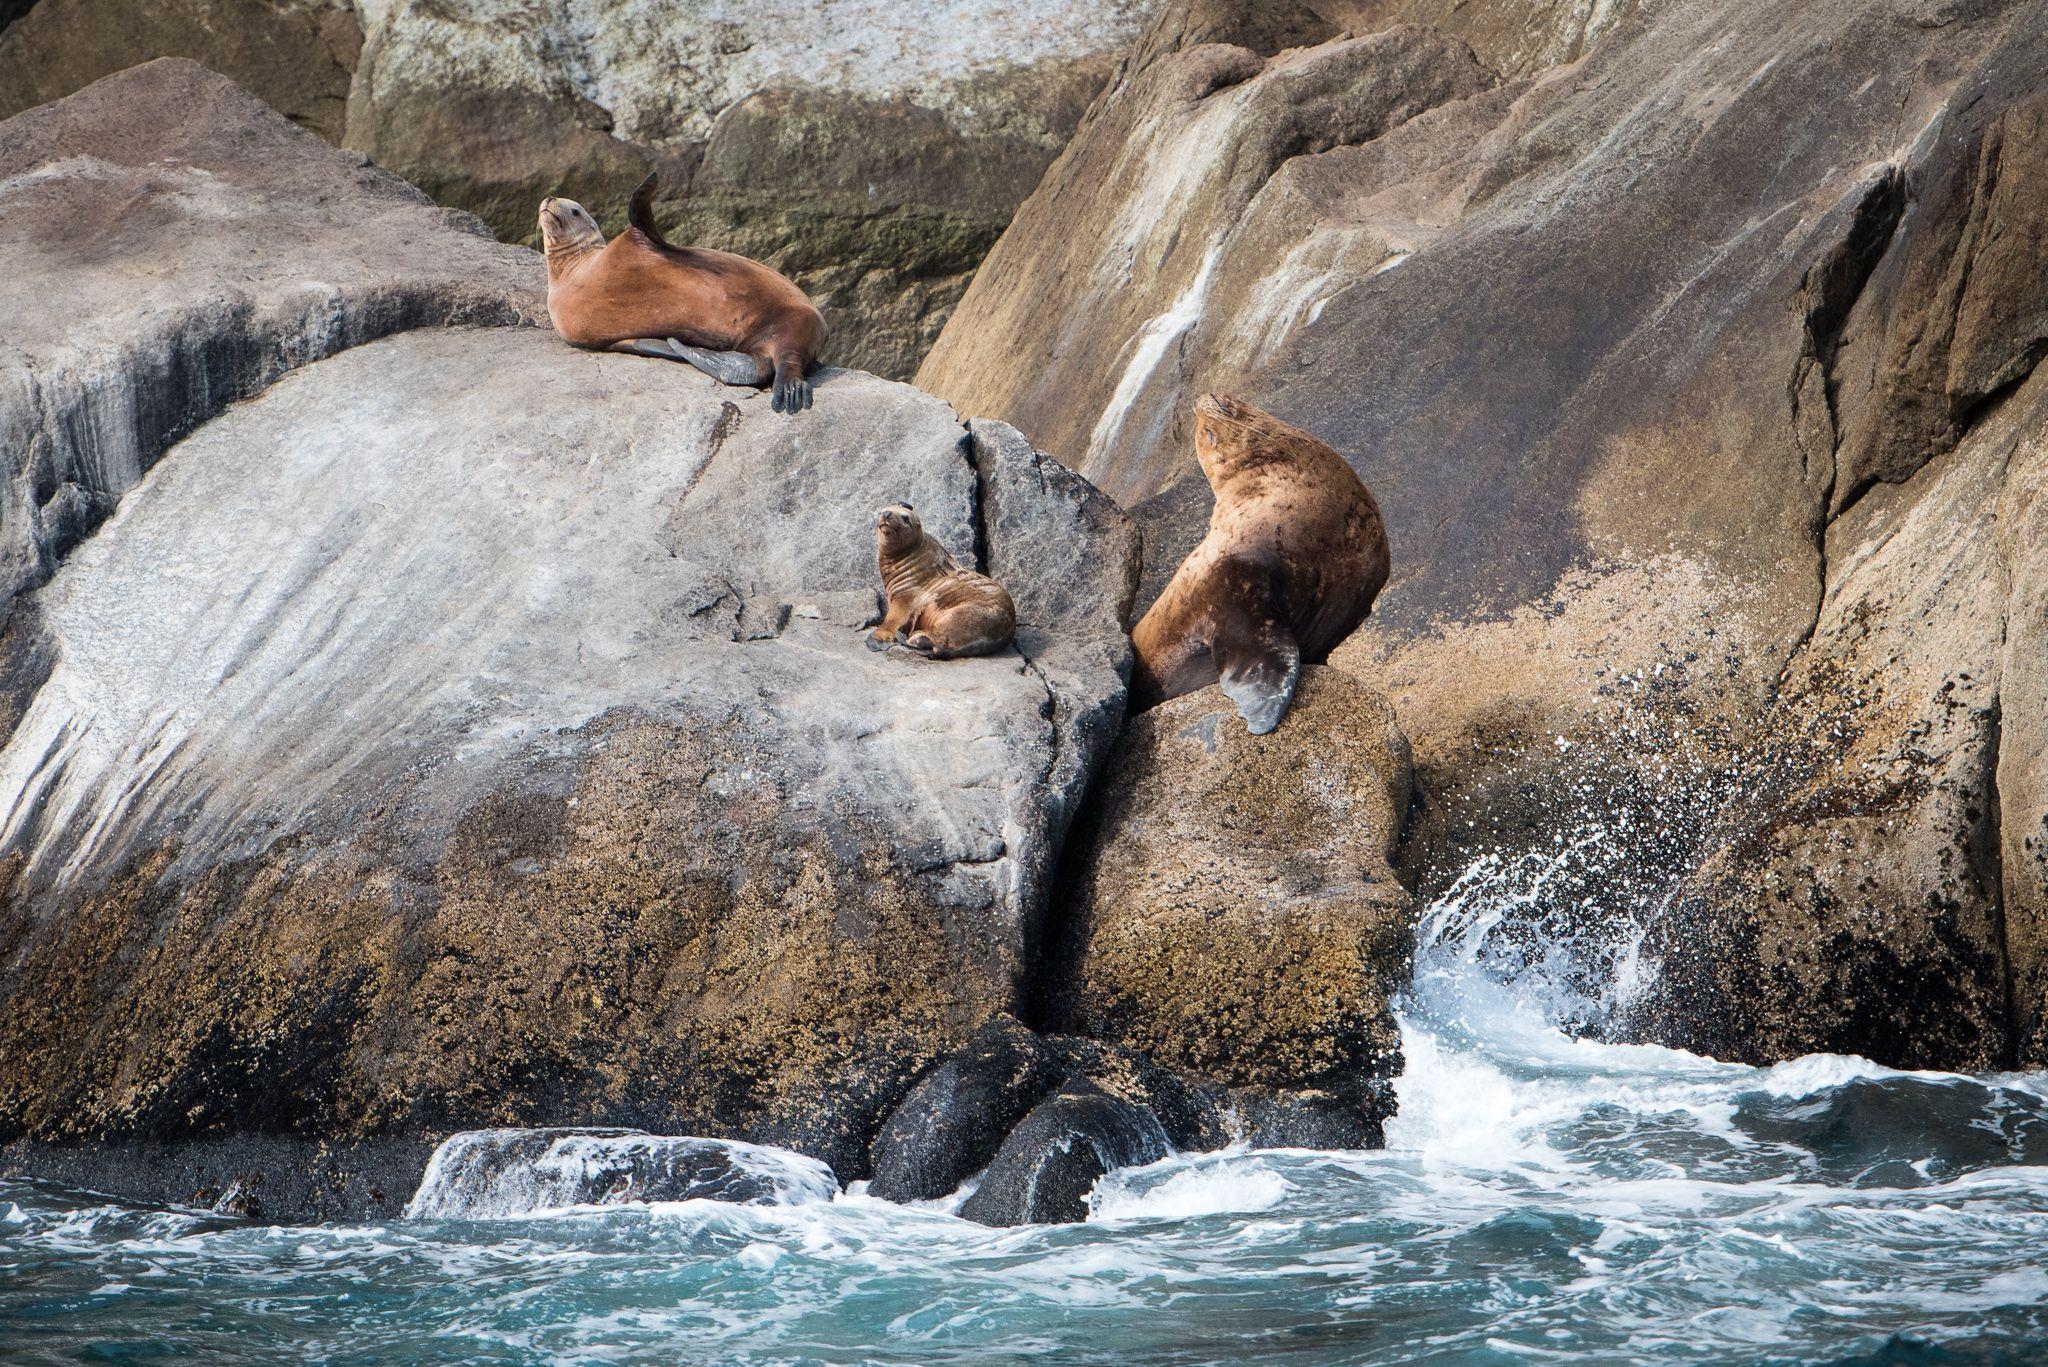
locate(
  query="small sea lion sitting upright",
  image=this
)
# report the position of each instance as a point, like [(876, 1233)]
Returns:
[(734, 319), (935, 607), (1295, 554)]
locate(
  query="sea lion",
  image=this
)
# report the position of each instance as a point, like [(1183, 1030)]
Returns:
[(732, 318), (1295, 554), (935, 607)]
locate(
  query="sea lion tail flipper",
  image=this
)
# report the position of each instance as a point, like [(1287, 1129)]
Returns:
[(640, 213), (727, 367), (1259, 669), (792, 390)]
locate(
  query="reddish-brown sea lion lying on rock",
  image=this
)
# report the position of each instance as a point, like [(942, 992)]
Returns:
[(935, 607), (732, 318), (1295, 554)]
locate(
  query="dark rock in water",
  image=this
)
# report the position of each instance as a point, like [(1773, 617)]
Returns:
[(1190, 1113), (504, 1174), (1273, 1119), (957, 1117), (955, 1120), (1045, 1169)]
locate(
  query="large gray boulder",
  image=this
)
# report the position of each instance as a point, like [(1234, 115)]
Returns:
[(468, 731), (871, 150), (1621, 346)]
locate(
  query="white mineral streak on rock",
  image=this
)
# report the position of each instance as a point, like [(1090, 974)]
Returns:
[(1149, 349)]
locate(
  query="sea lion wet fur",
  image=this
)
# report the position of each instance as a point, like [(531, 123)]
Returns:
[(732, 318), (935, 607), (1295, 554)]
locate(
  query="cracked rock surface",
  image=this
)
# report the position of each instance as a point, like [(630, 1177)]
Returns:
[(468, 731)]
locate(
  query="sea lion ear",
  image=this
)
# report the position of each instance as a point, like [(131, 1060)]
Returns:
[(640, 214)]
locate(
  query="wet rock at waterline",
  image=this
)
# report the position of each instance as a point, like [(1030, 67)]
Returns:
[(506, 1174), (471, 731), (1622, 347), (963, 1112), (958, 1115), (174, 245), (1049, 1164), (1858, 900), (1231, 910)]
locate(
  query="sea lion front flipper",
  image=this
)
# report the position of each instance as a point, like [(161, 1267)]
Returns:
[(1259, 664), (640, 213), (792, 389)]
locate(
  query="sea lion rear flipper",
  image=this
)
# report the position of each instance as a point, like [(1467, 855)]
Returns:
[(1259, 664), (640, 213), (728, 367)]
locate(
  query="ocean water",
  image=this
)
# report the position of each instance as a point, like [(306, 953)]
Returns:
[(1543, 1198)]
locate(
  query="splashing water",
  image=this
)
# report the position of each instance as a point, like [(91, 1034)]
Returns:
[(1543, 1197)]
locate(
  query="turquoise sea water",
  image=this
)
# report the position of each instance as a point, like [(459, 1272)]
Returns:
[(1542, 1199)]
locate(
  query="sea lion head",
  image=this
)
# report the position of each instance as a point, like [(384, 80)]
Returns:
[(897, 529), (566, 225), (1227, 430)]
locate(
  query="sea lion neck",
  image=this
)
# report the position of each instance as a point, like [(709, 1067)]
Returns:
[(1224, 462), (566, 258)]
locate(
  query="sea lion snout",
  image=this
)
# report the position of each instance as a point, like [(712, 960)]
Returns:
[(898, 525)]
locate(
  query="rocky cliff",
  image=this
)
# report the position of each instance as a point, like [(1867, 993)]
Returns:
[(871, 150), (1690, 376)]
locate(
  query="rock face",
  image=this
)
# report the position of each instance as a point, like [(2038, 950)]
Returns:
[(872, 150), (468, 731), (175, 246), (1234, 913), (298, 56), (1623, 348)]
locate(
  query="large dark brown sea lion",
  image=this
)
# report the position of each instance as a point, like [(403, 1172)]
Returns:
[(935, 607), (732, 318), (1295, 554)]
